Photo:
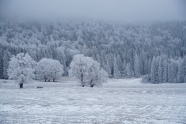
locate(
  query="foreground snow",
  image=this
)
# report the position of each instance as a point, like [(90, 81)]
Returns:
[(119, 101)]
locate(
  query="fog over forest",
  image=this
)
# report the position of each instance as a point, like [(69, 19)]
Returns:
[(112, 10), (129, 38)]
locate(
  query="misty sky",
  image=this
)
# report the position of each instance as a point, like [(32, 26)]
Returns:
[(114, 10)]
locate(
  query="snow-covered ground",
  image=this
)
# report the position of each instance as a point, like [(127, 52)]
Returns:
[(122, 101)]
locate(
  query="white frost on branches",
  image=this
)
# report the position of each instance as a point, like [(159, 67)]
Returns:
[(87, 71), (21, 68), (49, 69)]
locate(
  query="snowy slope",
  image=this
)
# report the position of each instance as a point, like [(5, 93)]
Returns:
[(120, 101)]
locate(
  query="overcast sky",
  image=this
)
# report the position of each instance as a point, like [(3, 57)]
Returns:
[(115, 10)]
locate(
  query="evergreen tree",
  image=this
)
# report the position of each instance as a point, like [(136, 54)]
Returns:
[(154, 71), (160, 70), (165, 70), (119, 63), (116, 70), (172, 71), (6, 59), (124, 72), (136, 66), (180, 75), (129, 70), (1, 62), (184, 65), (108, 69)]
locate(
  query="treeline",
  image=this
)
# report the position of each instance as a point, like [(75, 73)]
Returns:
[(22, 68), (164, 69), (122, 50)]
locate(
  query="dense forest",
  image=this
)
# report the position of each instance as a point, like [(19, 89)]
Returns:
[(155, 51)]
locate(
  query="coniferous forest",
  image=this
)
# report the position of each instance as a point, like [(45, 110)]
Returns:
[(155, 51)]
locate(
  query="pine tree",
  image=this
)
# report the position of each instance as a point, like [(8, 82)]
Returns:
[(154, 71), (169, 72), (1, 63), (129, 70), (180, 75), (124, 72), (165, 70), (119, 63), (160, 70), (184, 65), (116, 70), (146, 67), (172, 70), (6, 59), (142, 62), (136, 66), (108, 69)]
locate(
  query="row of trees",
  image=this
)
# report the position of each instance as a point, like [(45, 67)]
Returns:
[(122, 50), (164, 70), (23, 69)]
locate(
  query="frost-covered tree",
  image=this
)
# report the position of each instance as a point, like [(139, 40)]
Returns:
[(165, 70), (79, 68), (108, 68), (96, 75), (129, 72), (172, 71), (136, 66), (56, 70), (154, 71), (180, 74), (124, 72), (160, 70), (49, 69), (21, 68), (87, 71), (184, 67), (119, 63), (116, 72), (6, 59), (1, 62)]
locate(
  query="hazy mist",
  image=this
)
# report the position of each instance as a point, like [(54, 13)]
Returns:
[(111, 10)]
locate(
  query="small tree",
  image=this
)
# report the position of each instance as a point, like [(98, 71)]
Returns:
[(21, 68), (49, 69)]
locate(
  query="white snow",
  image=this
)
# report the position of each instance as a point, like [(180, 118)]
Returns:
[(120, 101)]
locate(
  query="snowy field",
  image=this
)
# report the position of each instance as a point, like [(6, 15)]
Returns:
[(117, 102)]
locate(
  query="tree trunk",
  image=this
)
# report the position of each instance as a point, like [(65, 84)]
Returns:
[(91, 83), (21, 85), (82, 83)]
